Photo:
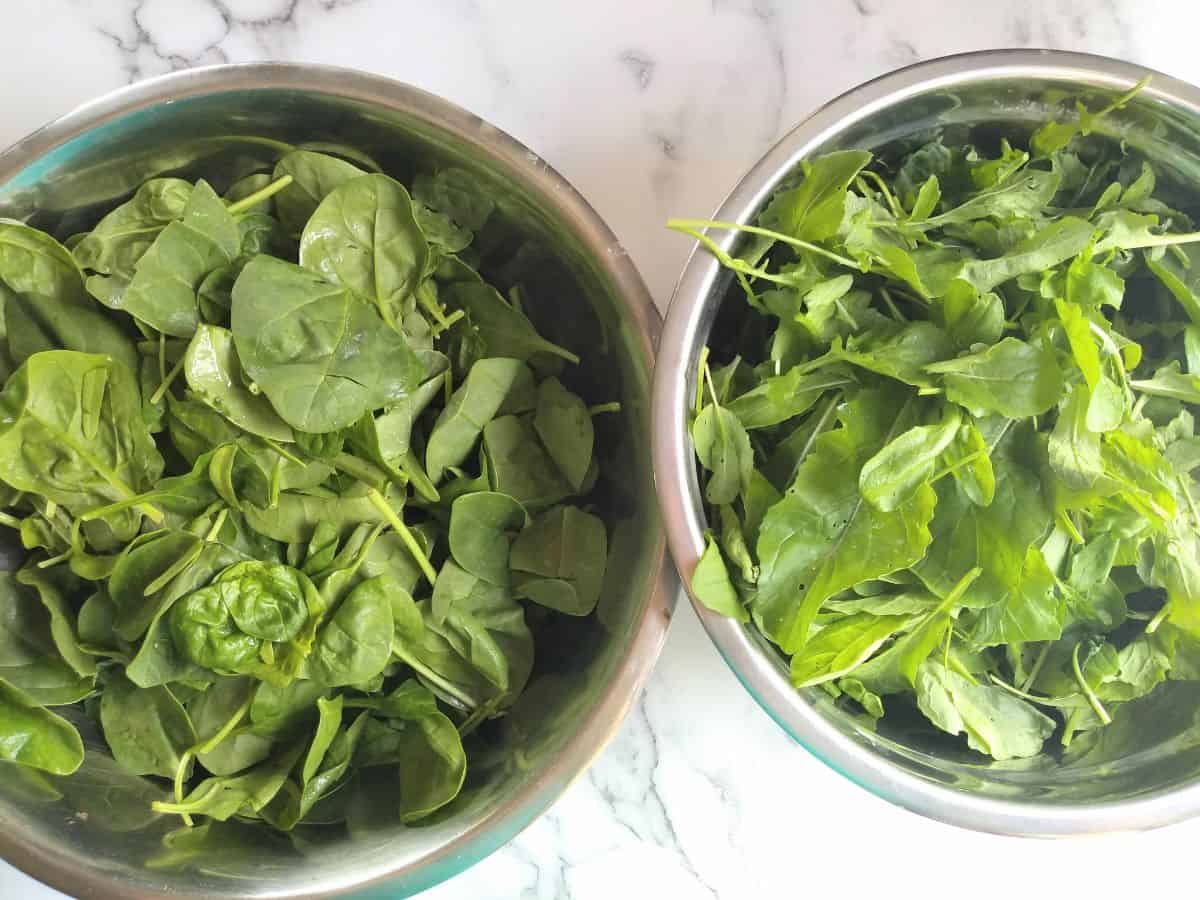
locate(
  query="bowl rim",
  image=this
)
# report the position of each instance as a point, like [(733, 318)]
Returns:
[(648, 633), (688, 320)]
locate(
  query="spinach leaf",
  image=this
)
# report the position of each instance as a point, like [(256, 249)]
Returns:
[(72, 431), (226, 518), (36, 737), (214, 375), (471, 407), (564, 425), (482, 528), (365, 237), (408, 729), (558, 560), (124, 235), (147, 729), (314, 177), (47, 308), (321, 356), (168, 276), (518, 466), (355, 644), (504, 330)]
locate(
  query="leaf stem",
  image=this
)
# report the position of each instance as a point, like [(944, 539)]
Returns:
[(180, 777), (440, 328), (1086, 688), (1037, 666), (283, 451), (601, 408), (217, 739), (1163, 240), (157, 396), (891, 305), (875, 178), (1159, 618), (264, 193), (1057, 702), (955, 466), (406, 536), (700, 369), (689, 226), (10, 521), (434, 309), (420, 668)]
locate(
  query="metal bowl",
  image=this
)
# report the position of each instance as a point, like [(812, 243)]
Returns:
[(1146, 779), (90, 834)]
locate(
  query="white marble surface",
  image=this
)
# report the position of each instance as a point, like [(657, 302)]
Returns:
[(652, 108)]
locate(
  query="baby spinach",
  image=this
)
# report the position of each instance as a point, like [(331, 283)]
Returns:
[(320, 355), (364, 236), (947, 442), (214, 375), (36, 737), (289, 473)]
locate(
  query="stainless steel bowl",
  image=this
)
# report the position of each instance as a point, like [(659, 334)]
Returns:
[(89, 834), (1150, 780)]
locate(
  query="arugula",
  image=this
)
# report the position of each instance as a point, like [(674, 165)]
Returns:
[(947, 441)]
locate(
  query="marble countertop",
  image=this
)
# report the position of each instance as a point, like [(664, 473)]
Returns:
[(651, 108)]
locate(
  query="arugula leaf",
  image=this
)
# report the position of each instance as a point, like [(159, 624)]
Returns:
[(823, 538), (947, 442)]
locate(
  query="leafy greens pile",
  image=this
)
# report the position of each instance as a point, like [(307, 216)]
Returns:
[(294, 482), (948, 452)]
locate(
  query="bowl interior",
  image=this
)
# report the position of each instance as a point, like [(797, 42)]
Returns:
[(1154, 745), (91, 833)]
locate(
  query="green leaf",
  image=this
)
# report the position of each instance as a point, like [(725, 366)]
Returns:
[(564, 425), (519, 467), (167, 277), (994, 721), (146, 729), (1021, 196), (482, 528), (843, 646), (321, 356), (355, 644), (364, 236), (214, 374), (901, 353), (36, 737), (711, 585), (1052, 245), (1180, 274), (723, 448), (504, 331), (123, 236), (559, 560), (47, 308), (781, 397), (823, 538), (223, 797), (893, 475), (813, 211), (71, 430), (471, 407), (1073, 448), (1012, 378), (314, 177)]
